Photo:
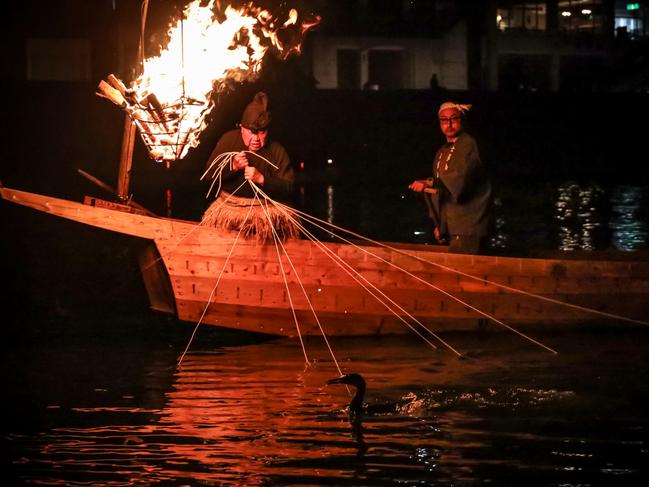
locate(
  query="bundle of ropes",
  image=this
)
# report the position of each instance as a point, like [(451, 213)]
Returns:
[(253, 217)]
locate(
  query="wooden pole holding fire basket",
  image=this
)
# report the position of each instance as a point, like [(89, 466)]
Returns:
[(129, 132), (126, 159), (115, 91)]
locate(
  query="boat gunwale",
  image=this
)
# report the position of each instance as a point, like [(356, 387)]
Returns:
[(172, 230)]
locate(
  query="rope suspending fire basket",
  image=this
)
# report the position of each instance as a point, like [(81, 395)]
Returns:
[(208, 50)]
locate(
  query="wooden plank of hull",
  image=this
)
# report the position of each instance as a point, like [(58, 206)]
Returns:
[(208, 268), (342, 298), (116, 221), (261, 297), (204, 243), (280, 321)]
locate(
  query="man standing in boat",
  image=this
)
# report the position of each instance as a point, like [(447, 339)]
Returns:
[(258, 173), (458, 195)]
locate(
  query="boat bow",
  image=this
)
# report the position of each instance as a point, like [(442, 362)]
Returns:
[(125, 222)]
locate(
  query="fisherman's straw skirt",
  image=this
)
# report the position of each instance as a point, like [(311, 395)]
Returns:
[(253, 217)]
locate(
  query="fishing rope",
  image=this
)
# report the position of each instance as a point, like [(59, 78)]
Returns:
[(536, 342), (530, 294), (315, 316), (214, 161), (232, 154), (288, 292), (209, 300), (480, 279), (261, 157), (455, 298), (346, 267), (356, 275), (194, 227), (496, 284), (221, 161), (351, 271)]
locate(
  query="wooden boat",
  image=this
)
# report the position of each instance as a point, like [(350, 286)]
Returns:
[(424, 286)]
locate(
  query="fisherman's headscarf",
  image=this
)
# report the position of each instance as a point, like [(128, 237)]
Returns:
[(256, 115), (449, 104)]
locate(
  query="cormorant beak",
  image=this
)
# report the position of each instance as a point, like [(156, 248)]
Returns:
[(337, 380)]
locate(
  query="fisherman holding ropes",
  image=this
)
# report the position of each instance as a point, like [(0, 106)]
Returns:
[(252, 170)]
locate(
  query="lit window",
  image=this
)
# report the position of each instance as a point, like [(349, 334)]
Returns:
[(630, 21), (581, 15), (529, 16)]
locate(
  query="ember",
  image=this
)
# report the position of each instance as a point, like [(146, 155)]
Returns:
[(206, 52)]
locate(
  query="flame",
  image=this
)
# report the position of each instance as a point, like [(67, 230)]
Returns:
[(170, 101)]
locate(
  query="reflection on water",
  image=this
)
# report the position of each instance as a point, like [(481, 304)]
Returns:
[(583, 210), (564, 216), (630, 230), (330, 203), (499, 238), (254, 415), (578, 215)]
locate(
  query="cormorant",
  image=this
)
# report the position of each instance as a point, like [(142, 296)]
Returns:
[(355, 408), (356, 404)]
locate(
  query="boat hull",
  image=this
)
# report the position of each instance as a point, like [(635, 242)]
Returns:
[(215, 277)]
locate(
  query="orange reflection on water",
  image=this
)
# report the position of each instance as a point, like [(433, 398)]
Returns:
[(282, 421)]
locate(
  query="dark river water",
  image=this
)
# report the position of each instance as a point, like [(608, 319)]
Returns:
[(115, 412)]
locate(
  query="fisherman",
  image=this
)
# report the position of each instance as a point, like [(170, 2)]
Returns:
[(262, 162), (458, 195)]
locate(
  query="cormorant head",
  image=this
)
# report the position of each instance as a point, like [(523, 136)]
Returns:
[(354, 379)]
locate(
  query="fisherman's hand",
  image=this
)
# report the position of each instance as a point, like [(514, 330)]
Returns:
[(240, 161), (252, 174), (419, 185)]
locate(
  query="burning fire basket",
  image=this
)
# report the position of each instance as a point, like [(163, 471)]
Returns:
[(206, 51), (168, 130)]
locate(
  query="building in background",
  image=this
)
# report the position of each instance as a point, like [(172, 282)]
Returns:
[(391, 44), (498, 45), (567, 45)]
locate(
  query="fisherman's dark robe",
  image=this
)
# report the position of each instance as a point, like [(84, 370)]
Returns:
[(464, 198), (278, 183)]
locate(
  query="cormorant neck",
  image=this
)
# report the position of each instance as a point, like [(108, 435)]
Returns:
[(356, 404)]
